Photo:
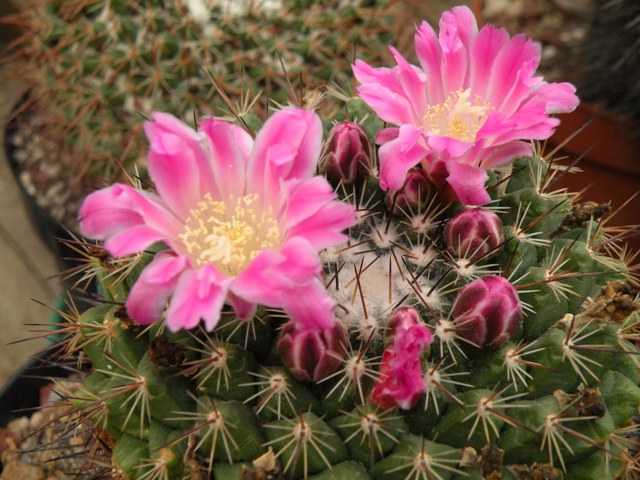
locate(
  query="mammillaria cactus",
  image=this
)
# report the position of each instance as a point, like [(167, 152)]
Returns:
[(517, 363), (94, 66)]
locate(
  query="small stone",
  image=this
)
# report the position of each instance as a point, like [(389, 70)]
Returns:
[(23, 471), (8, 440), (575, 6), (36, 419), (19, 426), (510, 8), (20, 156), (77, 441), (27, 182)]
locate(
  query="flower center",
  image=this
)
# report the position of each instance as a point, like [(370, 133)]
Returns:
[(458, 117), (229, 234)]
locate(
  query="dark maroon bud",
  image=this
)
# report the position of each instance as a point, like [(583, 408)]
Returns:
[(312, 355), (487, 312), (414, 194), (474, 233), (348, 153)]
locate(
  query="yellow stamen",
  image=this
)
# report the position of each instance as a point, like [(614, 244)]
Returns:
[(457, 117), (229, 234)]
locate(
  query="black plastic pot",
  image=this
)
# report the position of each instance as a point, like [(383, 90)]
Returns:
[(51, 231), (22, 391)]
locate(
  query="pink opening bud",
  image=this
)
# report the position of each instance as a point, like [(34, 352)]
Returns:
[(413, 195), (348, 153), (474, 233), (487, 311), (401, 383), (312, 355), (400, 320)]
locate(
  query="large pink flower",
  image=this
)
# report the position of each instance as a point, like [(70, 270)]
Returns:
[(467, 110), (243, 221)]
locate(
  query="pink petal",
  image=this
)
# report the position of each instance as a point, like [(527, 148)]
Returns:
[(413, 82), (287, 147), (495, 126), (310, 308), (530, 122), (521, 88), (149, 294), (398, 156), (243, 310), (132, 240), (178, 163), (502, 154), (199, 295), (430, 57), (230, 148), (386, 135), (468, 183), (381, 89), (463, 21), (451, 146), (112, 212), (457, 30), (271, 275), (560, 97), (325, 228), (487, 44), (507, 66), (312, 212)]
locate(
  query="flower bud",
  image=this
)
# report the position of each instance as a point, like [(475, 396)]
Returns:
[(348, 153), (487, 311), (401, 383), (312, 355), (474, 233), (400, 320), (413, 195)]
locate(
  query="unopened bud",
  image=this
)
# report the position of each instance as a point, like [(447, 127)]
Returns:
[(474, 233), (312, 355), (413, 195), (487, 312), (348, 153)]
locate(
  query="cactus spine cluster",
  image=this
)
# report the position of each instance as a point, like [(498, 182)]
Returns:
[(532, 372), (94, 66)]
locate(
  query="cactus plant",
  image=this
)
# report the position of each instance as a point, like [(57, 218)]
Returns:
[(380, 353), (94, 66)]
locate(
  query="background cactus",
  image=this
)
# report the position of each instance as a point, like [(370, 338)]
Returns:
[(93, 66), (553, 396), (605, 62)]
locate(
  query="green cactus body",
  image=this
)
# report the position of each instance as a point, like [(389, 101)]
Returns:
[(556, 398)]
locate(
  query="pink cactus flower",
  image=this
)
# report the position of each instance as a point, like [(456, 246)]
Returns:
[(470, 107), (487, 311), (401, 383), (243, 221)]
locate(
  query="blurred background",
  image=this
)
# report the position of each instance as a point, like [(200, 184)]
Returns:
[(75, 74)]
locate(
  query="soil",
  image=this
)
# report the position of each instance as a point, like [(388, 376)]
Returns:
[(43, 170), (43, 446)]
